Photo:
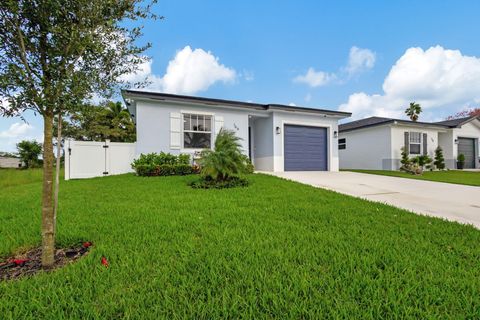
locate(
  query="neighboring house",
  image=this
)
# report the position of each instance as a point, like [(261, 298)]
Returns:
[(375, 143), (10, 162), (275, 137)]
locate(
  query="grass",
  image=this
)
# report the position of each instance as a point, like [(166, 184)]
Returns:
[(277, 249), (470, 178)]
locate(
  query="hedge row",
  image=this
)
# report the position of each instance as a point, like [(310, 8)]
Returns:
[(148, 170)]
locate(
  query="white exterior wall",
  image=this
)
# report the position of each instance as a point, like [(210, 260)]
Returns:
[(282, 118), (398, 141), (262, 142), (368, 148), (446, 141), (153, 125)]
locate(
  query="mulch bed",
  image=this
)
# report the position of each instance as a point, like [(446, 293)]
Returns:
[(29, 262)]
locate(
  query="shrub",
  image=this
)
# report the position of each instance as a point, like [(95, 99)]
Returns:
[(424, 161), (184, 169), (249, 168), (226, 162), (439, 159), (410, 165), (207, 183), (163, 164), (461, 157)]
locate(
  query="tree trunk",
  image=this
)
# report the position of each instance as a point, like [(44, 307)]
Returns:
[(48, 224), (57, 173)]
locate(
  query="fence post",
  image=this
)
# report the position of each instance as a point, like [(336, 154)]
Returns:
[(106, 146)]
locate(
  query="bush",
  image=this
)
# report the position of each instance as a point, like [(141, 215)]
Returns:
[(208, 183), (226, 161), (461, 157), (249, 168), (439, 159), (163, 164)]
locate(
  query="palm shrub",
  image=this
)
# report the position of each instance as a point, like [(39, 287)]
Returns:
[(226, 163), (439, 159), (411, 165), (163, 164)]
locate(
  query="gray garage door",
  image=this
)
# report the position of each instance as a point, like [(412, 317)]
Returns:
[(305, 148), (466, 146)]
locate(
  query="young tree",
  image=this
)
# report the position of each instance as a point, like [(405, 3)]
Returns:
[(413, 111), (439, 160), (54, 54), (465, 113), (29, 152)]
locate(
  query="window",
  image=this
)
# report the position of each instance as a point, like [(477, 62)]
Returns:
[(197, 131), (415, 142), (342, 144)]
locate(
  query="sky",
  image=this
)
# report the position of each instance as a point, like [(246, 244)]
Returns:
[(369, 57)]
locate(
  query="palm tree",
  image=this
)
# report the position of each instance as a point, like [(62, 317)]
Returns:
[(413, 111), (226, 160)]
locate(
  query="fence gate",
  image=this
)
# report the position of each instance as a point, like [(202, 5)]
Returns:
[(88, 159)]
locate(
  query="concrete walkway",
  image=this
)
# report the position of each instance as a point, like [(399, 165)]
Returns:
[(449, 201)]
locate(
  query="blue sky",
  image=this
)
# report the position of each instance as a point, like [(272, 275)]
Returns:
[(367, 57)]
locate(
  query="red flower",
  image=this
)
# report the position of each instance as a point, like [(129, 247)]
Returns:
[(87, 244), (105, 262), (19, 262)]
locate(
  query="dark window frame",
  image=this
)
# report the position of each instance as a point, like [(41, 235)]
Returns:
[(342, 145)]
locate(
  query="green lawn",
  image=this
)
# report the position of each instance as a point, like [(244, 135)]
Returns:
[(277, 249), (470, 178)]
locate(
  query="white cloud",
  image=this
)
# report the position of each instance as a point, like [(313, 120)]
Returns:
[(189, 72), (437, 78), (16, 130), (360, 60), (314, 78), (291, 104)]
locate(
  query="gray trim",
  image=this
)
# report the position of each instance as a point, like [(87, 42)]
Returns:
[(135, 94), (407, 142), (424, 142)]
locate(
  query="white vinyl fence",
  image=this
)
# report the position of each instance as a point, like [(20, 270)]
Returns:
[(88, 159)]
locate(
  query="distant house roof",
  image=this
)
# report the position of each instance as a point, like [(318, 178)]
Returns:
[(455, 123), (135, 94), (377, 121)]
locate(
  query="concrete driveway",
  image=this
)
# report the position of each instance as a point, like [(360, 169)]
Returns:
[(449, 201)]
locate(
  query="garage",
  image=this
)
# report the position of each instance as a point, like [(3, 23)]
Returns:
[(466, 146), (305, 148)]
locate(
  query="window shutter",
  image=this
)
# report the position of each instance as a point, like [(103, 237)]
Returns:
[(425, 150), (175, 130), (407, 143), (218, 124)]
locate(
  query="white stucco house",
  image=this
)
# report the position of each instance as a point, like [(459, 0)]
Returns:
[(375, 143), (275, 137)]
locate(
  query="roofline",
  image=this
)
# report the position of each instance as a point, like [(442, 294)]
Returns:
[(396, 121), (467, 120), (136, 94)]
